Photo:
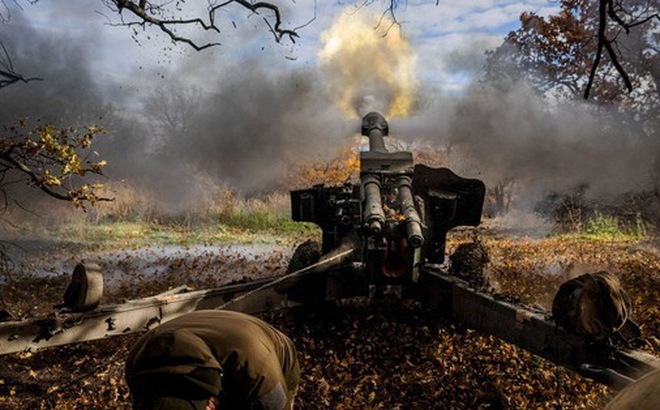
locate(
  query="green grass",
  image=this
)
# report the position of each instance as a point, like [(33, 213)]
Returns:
[(235, 228), (601, 227), (263, 221)]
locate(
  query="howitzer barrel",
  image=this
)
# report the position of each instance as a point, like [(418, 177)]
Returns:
[(373, 214), (407, 204), (375, 127)]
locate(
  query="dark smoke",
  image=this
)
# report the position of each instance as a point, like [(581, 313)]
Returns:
[(243, 125), (243, 128), (512, 133), (249, 128), (68, 93), (242, 131)]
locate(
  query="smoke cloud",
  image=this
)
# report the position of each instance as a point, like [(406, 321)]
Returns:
[(248, 129), (369, 66), (243, 124), (68, 92), (511, 134), (172, 139)]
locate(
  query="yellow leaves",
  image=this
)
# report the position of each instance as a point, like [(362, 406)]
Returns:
[(371, 397), (85, 141), (46, 138), (378, 356), (49, 158), (73, 165), (343, 166), (97, 166)]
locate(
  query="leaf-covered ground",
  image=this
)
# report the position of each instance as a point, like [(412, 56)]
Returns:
[(361, 355)]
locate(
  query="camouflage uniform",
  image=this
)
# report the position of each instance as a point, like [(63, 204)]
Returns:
[(644, 394), (259, 364)]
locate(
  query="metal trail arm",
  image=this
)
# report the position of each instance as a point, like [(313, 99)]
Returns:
[(303, 287), (114, 320), (532, 330)]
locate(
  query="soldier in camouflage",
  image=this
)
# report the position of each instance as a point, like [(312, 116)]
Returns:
[(593, 304), (213, 359)]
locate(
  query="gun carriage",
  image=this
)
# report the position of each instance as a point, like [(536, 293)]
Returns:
[(385, 235)]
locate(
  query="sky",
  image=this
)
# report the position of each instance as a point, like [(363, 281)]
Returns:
[(449, 38), (242, 112)]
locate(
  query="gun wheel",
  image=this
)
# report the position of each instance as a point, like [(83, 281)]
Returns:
[(468, 262), (307, 253)]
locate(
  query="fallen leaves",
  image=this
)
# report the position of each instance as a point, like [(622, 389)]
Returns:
[(354, 354), (395, 355)]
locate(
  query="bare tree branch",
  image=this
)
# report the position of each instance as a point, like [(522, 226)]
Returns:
[(153, 13), (8, 75), (388, 15), (276, 28), (393, 22), (602, 26), (612, 11)]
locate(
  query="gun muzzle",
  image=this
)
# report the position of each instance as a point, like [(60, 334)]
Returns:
[(407, 208), (373, 214), (375, 127)]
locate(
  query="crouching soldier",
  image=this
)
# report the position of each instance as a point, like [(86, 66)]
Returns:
[(213, 359)]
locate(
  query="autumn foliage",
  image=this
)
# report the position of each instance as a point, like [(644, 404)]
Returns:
[(54, 160), (343, 166), (356, 354), (557, 53)]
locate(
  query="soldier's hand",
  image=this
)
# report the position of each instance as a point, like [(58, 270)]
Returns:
[(212, 404)]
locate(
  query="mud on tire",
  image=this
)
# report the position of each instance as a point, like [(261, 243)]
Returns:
[(468, 262), (307, 253)]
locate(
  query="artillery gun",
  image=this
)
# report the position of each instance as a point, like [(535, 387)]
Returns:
[(385, 235), (397, 217)]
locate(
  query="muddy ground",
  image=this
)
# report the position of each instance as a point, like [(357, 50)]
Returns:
[(390, 354)]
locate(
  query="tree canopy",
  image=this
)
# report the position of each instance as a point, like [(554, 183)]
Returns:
[(603, 49), (595, 47)]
